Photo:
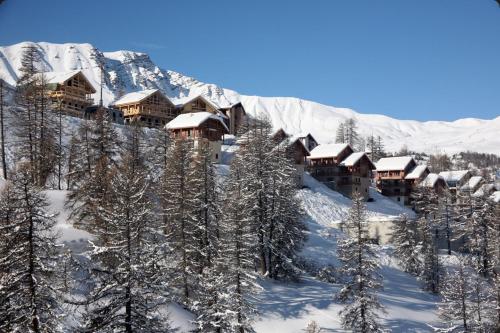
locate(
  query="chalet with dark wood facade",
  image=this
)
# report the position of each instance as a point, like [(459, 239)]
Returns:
[(148, 108), (201, 128), (308, 141), (235, 117), (396, 176), (341, 169), (69, 92), (435, 182)]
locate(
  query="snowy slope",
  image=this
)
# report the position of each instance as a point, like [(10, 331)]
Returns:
[(127, 71)]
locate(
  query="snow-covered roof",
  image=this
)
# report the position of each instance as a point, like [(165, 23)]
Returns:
[(453, 176), (393, 163), (352, 159), (289, 141), (431, 180), (61, 77), (417, 172), (183, 101), (485, 189), (472, 183), (328, 150), (135, 97), (496, 196), (193, 119)]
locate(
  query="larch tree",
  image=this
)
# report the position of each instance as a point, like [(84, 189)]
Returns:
[(3, 150), (360, 269), (29, 276), (179, 215), (129, 285), (405, 240), (431, 268)]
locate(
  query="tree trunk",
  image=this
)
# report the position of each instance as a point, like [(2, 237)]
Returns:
[(2, 133)]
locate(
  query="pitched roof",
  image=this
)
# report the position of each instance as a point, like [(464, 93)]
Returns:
[(453, 175), (291, 140), (135, 97), (328, 150), (394, 163), (472, 183), (193, 119), (417, 172), (184, 101), (61, 77), (431, 180), (352, 159), (484, 190)]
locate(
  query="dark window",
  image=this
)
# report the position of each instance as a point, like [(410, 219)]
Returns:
[(216, 156)]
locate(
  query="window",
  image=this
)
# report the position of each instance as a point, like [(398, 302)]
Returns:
[(216, 156), (399, 199)]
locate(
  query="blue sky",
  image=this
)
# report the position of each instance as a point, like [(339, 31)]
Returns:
[(424, 60)]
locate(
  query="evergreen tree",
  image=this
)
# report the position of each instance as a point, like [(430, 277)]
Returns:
[(405, 240), (28, 263), (3, 151), (129, 285), (340, 134), (431, 270), (180, 212), (360, 268)]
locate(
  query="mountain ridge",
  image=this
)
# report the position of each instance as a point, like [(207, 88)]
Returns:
[(127, 71)]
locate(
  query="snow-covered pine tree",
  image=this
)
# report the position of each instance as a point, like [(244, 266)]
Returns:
[(3, 113), (128, 259), (202, 179), (239, 238), (286, 230), (380, 151), (99, 146), (257, 153), (405, 240), (360, 268), (28, 259), (466, 299), (340, 134), (179, 212), (157, 153), (312, 327), (431, 269)]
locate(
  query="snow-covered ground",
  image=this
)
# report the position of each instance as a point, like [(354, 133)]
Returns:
[(288, 307), (128, 71)]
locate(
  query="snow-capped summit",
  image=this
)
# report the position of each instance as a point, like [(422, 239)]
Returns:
[(127, 71)]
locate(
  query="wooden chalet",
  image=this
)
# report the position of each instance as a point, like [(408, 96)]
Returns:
[(396, 176), (355, 175), (236, 115), (340, 168), (70, 92), (199, 104), (297, 152), (308, 141), (435, 182), (115, 115), (201, 128), (149, 108)]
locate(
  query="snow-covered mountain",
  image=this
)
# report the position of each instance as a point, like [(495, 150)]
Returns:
[(127, 71)]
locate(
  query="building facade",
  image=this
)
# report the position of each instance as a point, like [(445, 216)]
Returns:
[(148, 108), (69, 92), (202, 128)]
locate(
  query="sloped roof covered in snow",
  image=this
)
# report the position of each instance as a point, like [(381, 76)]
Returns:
[(135, 97), (453, 176), (431, 180), (353, 159), (328, 150), (182, 101), (496, 196), (472, 183), (393, 163), (417, 172), (193, 119), (485, 189), (291, 140), (61, 77)]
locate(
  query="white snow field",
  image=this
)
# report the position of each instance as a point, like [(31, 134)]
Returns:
[(128, 71)]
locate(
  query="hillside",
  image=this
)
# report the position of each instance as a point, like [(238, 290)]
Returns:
[(127, 71)]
